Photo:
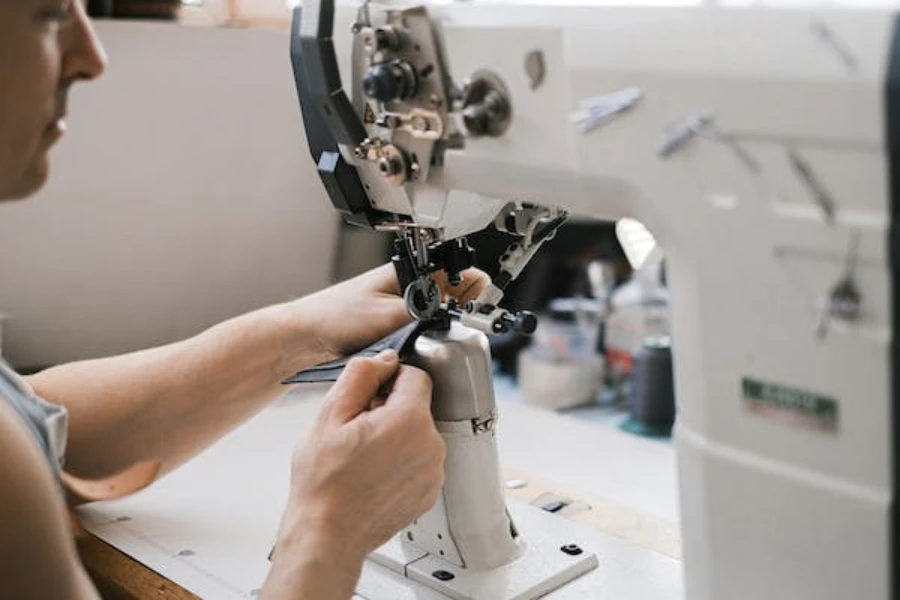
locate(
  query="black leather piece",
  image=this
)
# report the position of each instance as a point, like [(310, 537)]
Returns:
[(401, 340)]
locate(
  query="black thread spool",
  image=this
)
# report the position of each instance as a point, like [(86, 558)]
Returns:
[(652, 402)]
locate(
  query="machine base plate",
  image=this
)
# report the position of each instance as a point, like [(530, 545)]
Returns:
[(542, 568)]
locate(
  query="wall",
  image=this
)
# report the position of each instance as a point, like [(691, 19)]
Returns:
[(183, 194)]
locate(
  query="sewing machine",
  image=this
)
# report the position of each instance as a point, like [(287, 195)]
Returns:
[(760, 147)]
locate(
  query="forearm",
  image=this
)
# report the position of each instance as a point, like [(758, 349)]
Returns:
[(168, 403)]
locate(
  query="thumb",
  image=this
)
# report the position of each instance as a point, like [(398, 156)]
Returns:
[(360, 383)]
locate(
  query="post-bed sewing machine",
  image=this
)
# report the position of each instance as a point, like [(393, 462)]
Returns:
[(760, 145)]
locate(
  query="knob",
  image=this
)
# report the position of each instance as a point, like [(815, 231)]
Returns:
[(524, 322), (386, 81)]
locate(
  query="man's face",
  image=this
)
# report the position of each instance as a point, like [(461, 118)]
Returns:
[(45, 46)]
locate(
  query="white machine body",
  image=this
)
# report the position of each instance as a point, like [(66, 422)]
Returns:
[(753, 142)]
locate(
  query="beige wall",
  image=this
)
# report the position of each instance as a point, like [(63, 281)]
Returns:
[(182, 195)]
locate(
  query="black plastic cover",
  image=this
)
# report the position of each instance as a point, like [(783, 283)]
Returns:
[(318, 84)]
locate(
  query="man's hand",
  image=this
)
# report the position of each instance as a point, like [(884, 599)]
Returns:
[(353, 314), (372, 464)]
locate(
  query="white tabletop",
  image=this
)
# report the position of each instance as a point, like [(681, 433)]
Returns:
[(210, 525)]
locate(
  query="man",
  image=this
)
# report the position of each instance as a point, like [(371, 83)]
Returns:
[(130, 419)]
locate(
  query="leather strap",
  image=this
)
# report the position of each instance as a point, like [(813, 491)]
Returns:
[(403, 341)]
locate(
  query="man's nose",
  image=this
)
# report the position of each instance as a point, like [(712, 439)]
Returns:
[(83, 54)]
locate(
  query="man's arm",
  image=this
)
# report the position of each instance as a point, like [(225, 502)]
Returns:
[(166, 404), (37, 553)]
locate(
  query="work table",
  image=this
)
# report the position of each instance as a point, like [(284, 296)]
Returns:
[(207, 528)]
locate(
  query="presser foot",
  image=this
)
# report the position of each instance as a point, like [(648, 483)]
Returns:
[(554, 555)]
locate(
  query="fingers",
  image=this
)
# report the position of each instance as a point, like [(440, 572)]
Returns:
[(411, 393), (384, 279), (473, 283), (358, 385)]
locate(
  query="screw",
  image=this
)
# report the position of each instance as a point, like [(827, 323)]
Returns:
[(572, 549), (186, 553), (420, 123), (442, 575), (434, 100)]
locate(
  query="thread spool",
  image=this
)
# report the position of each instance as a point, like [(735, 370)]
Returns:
[(652, 402)]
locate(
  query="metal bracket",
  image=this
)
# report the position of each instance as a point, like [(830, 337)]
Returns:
[(484, 425)]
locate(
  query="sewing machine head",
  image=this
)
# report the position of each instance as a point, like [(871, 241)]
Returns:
[(381, 152)]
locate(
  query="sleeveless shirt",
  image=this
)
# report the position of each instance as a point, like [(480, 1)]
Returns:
[(47, 423)]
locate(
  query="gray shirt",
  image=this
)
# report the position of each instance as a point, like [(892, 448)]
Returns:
[(48, 423)]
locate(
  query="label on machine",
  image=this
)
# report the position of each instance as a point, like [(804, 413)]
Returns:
[(790, 405)]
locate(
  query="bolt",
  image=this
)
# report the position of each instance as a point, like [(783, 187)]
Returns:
[(420, 123), (387, 166), (435, 101), (572, 549), (442, 575)]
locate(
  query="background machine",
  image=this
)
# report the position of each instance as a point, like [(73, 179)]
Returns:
[(758, 144)]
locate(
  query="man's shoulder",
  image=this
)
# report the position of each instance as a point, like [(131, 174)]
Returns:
[(37, 555)]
